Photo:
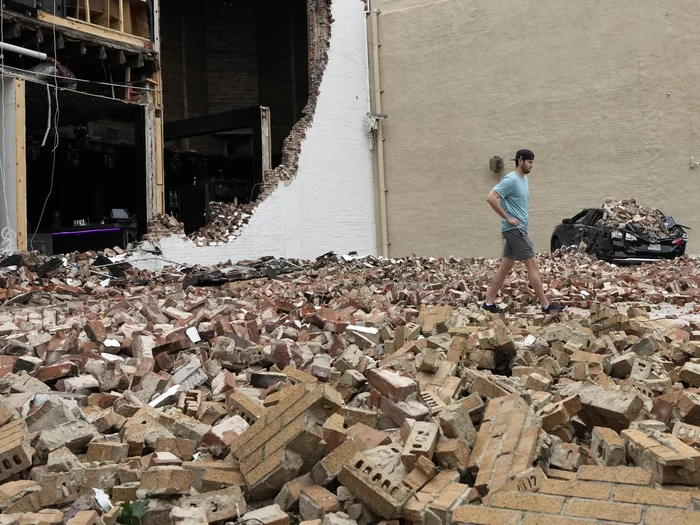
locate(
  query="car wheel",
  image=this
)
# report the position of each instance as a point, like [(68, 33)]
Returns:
[(556, 244)]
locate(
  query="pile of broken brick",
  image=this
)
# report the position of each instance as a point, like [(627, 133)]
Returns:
[(358, 391), (225, 224), (226, 221), (618, 214)]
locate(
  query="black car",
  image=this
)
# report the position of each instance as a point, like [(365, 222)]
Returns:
[(625, 244)]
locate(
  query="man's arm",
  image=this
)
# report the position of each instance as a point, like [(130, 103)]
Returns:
[(494, 200)]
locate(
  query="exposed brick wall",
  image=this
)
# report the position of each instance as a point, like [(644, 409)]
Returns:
[(611, 494), (231, 56), (282, 63)]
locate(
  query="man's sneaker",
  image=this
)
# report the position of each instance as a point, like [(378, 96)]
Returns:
[(490, 308), (553, 308)]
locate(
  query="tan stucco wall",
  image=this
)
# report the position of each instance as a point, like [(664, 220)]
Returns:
[(606, 93)]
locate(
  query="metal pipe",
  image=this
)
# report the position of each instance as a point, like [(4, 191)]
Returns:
[(23, 51), (380, 133)]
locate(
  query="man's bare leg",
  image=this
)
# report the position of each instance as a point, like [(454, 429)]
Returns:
[(498, 279), (533, 274)]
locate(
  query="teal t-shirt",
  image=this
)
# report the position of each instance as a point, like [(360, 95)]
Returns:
[(515, 199)]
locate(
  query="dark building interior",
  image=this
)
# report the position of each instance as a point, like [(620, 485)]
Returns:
[(223, 56), (76, 181)]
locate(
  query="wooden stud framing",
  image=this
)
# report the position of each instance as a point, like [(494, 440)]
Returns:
[(160, 183), (98, 31), (266, 137), (21, 163), (121, 15), (151, 168)]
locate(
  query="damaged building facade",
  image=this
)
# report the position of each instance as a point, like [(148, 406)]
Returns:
[(267, 120), (229, 131), (81, 116), (200, 112)]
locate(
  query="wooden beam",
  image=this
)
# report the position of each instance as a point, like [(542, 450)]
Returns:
[(80, 27), (121, 15), (21, 163), (127, 82), (160, 177), (266, 138), (151, 164)]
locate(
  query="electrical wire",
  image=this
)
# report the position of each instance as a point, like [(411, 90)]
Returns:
[(56, 134), (84, 80)]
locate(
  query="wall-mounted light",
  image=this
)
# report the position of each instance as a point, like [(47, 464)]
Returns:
[(496, 164)]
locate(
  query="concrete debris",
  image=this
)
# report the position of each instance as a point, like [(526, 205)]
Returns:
[(357, 391)]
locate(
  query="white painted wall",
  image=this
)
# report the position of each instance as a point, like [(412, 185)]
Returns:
[(329, 206)]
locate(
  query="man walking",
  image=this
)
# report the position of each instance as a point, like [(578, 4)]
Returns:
[(510, 199)]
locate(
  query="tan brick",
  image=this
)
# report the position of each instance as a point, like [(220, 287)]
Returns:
[(329, 467), (369, 436), (218, 478), (652, 496), (219, 505), (107, 452), (125, 492), (453, 495), (625, 475), (241, 405), (421, 442), (473, 515), (168, 480), (15, 451), (270, 515), (559, 414), (657, 516), (86, 517), (316, 501), (383, 495), (689, 434), (391, 384), (452, 454), (442, 480), (607, 447), (580, 489), (180, 447), (528, 502), (422, 473), (414, 508), (563, 475), (603, 510), (538, 519)]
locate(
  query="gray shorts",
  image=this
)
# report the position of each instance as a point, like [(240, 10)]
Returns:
[(518, 245)]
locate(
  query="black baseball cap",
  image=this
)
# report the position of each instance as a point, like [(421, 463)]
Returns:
[(524, 154)]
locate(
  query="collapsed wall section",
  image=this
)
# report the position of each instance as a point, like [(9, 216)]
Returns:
[(320, 198)]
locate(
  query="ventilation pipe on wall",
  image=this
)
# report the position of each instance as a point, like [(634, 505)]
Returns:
[(380, 132)]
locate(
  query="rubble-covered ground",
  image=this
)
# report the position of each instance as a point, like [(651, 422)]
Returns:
[(347, 391)]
